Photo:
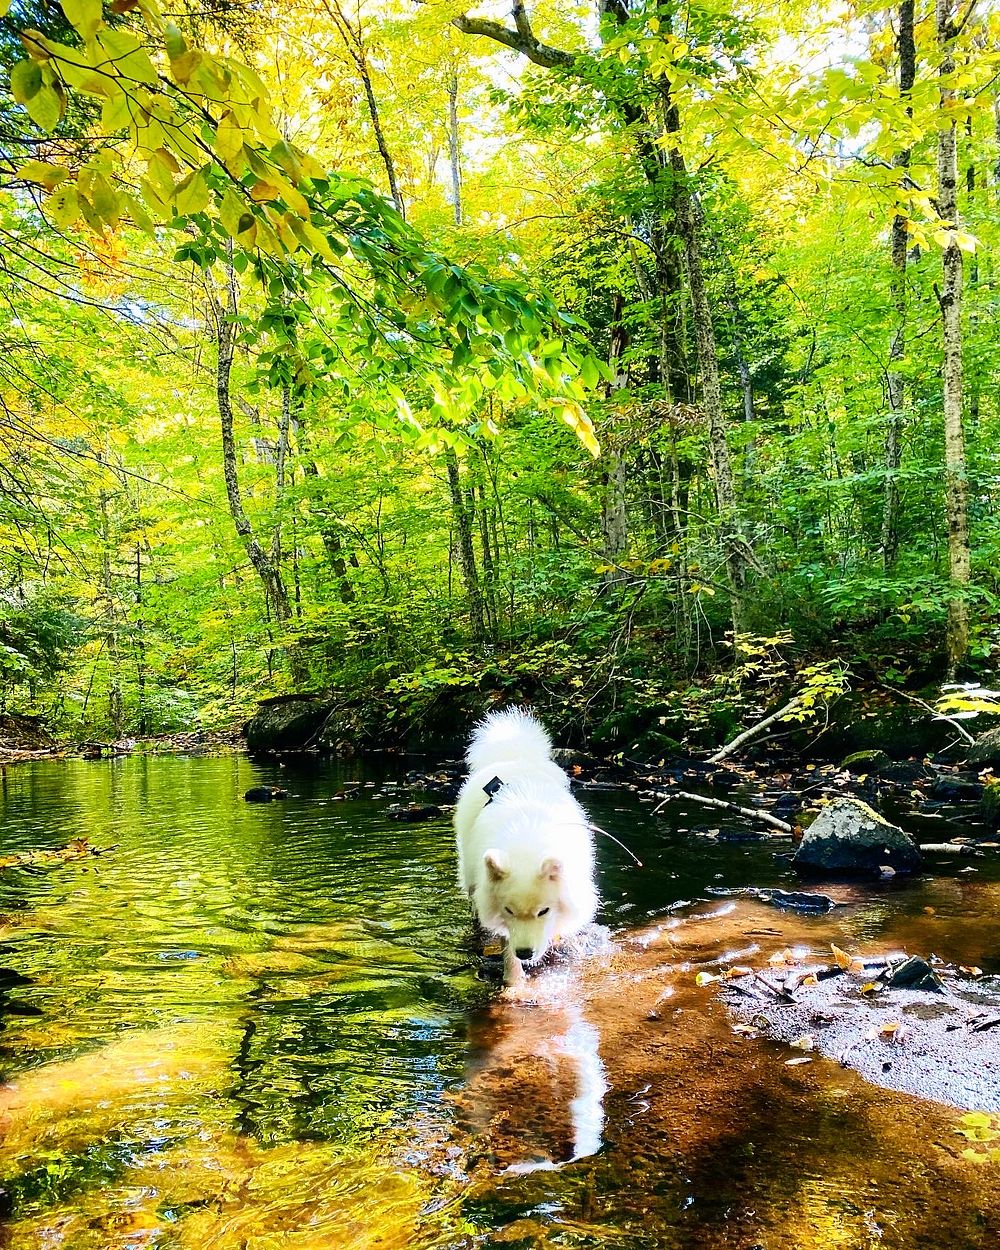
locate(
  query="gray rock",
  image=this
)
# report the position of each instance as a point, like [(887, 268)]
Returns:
[(986, 749), (850, 838), (287, 723)]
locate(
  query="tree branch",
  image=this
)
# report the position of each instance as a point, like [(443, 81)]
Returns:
[(522, 39)]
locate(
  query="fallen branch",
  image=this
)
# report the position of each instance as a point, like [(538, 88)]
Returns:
[(754, 731), (752, 812)]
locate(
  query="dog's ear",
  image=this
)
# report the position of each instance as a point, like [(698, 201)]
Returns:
[(496, 865), (551, 869)]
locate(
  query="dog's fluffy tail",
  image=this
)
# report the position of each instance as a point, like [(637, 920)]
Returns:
[(507, 735)]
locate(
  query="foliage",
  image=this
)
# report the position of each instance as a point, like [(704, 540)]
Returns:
[(415, 387)]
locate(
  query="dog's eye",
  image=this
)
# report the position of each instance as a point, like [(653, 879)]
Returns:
[(508, 911), (544, 911)]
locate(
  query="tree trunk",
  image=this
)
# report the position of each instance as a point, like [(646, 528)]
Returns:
[(355, 45), (466, 550), (454, 149), (733, 546), (897, 347), (956, 480), (614, 512), (267, 570)]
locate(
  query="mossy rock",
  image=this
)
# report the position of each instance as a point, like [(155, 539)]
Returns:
[(849, 838), (985, 751), (870, 761), (989, 804)]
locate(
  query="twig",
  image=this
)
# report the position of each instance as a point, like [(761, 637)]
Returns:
[(753, 812), (928, 707), (598, 829), (754, 731)]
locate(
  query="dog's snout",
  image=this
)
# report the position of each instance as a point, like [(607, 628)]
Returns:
[(524, 952)]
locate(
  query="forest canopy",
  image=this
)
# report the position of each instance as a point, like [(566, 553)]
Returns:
[(617, 357)]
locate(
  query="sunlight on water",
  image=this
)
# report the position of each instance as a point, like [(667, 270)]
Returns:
[(264, 1025)]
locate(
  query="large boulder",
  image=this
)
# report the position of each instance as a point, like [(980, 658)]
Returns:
[(985, 751), (287, 723), (849, 838)]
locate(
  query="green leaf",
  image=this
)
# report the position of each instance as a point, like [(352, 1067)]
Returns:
[(45, 108), (25, 81)]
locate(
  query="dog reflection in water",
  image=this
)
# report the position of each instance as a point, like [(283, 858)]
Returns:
[(534, 1093)]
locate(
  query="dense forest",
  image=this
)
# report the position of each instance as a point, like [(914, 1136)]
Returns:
[(633, 360)]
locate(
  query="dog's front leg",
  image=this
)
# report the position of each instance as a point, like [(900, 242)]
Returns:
[(513, 972)]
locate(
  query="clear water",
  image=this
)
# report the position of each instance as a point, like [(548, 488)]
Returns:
[(263, 1025)]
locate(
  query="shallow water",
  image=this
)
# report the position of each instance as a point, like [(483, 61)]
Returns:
[(257, 1025)]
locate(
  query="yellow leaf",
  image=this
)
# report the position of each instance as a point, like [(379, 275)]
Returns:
[(192, 194), (44, 174), (228, 139), (844, 960), (706, 978), (63, 206), (84, 15), (262, 191)]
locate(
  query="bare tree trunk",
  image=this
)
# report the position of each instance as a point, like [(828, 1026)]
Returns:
[(266, 568), (466, 550), (950, 299), (614, 513), (355, 45), (454, 149), (329, 534), (897, 348), (733, 545)]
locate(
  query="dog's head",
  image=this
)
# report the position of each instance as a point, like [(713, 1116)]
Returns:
[(523, 901)]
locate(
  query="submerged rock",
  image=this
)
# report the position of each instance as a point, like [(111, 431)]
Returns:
[(962, 789), (414, 812), (264, 794), (851, 838)]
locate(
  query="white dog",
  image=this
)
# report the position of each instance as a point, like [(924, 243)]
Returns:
[(525, 849)]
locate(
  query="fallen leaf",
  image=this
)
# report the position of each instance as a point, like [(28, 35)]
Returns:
[(706, 978), (794, 1063), (739, 971), (745, 1030), (805, 1042)]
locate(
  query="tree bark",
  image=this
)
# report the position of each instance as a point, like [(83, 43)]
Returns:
[(733, 545), (454, 148), (950, 298), (355, 45), (897, 347), (266, 569), (466, 551)]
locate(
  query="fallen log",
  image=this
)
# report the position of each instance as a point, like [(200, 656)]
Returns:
[(752, 812)]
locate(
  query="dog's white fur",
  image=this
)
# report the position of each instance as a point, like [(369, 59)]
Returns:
[(526, 859)]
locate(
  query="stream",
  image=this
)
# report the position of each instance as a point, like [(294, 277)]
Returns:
[(263, 1025)]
